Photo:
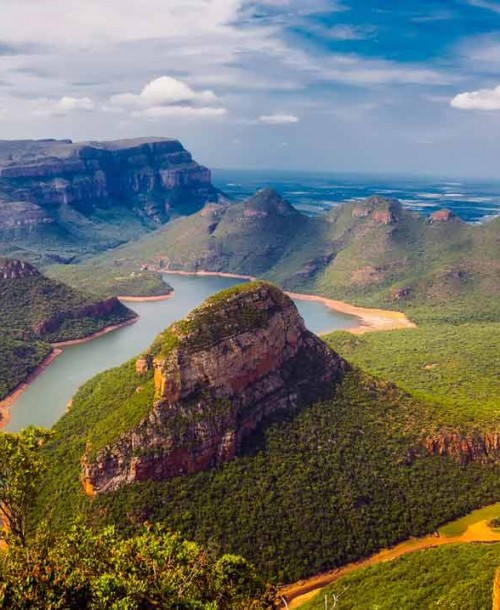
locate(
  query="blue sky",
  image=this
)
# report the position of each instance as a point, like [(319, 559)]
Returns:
[(341, 85)]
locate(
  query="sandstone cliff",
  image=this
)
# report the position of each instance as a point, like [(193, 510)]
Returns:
[(243, 356), (482, 447), (59, 190)]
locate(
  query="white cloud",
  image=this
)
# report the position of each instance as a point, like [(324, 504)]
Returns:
[(486, 4), (278, 119), (163, 91), (66, 105), (483, 99), (72, 104), (165, 97), (349, 32)]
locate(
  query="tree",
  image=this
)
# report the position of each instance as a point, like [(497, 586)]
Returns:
[(84, 569), (21, 466)]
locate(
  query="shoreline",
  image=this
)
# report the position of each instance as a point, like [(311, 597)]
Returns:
[(159, 297), (99, 333), (57, 349), (370, 319), (7, 402)]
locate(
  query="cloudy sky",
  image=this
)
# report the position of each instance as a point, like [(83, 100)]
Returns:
[(343, 85)]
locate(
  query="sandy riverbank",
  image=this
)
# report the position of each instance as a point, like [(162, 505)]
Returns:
[(159, 297), (370, 319), (99, 333), (303, 591), (236, 276), (9, 400)]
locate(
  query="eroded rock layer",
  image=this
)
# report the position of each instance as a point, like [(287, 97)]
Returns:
[(64, 190), (242, 357)]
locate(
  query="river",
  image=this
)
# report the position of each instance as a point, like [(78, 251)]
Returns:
[(45, 400)]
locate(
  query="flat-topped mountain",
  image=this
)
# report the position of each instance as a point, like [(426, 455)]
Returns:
[(204, 386), (57, 196)]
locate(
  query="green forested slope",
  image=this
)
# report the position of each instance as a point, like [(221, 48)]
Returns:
[(337, 482), (36, 310), (458, 576), (453, 367)]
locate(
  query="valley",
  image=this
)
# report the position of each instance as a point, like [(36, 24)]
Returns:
[(211, 404)]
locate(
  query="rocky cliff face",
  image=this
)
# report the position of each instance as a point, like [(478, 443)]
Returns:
[(242, 357), (473, 447), (49, 184), (12, 269)]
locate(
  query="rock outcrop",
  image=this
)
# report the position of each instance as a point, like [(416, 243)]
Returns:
[(12, 269), (380, 209), (472, 447), (444, 215), (242, 357), (61, 187)]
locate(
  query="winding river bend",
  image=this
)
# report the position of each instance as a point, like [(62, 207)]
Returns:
[(45, 400)]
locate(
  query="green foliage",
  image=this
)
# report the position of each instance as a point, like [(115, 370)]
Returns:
[(333, 484), (21, 468), (458, 576), (18, 358), (31, 301), (119, 279), (99, 570), (454, 368), (36, 310)]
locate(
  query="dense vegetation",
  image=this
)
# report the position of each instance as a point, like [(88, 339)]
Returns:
[(335, 483), (36, 310), (453, 367), (84, 568), (18, 358), (28, 302), (120, 279), (458, 576)]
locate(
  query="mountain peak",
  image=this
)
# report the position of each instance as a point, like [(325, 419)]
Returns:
[(268, 202), (208, 382), (382, 210)]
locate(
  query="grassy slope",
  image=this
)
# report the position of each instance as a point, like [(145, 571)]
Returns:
[(449, 577), (453, 367), (448, 270), (331, 485), (110, 280)]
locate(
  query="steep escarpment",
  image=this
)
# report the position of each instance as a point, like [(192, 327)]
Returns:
[(60, 197), (242, 357), (482, 447)]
